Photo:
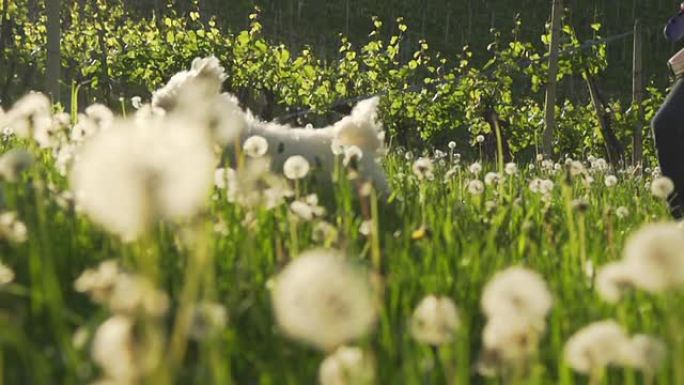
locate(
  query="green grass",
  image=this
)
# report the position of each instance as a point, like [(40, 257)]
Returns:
[(463, 244)]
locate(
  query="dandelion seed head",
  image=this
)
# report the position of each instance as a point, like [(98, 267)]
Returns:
[(423, 168), (337, 147), (11, 228), (516, 291), (575, 168), (133, 295), (347, 366), (255, 146), (13, 163), (6, 275), (452, 145), (656, 172), (136, 102), (511, 169), (323, 300), (662, 187), (307, 209), (476, 187), (612, 279), (208, 318), (599, 165), (622, 212), (112, 349), (30, 118), (645, 353), (325, 233), (296, 167), (100, 115), (492, 179), (490, 206), (655, 253), (547, 164), (547, 186), (595, 346), (98, 283), (610, 180), (440, 154), (435, 321), (511, 339), (129, 176), (475, 168)]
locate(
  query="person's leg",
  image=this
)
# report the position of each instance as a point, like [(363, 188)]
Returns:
[(668, 131)]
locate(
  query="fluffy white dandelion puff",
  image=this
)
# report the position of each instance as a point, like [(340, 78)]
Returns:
[(509, 340), (475, 168), (113, 349), (423, 168), (511, 169), (323, 300), (128, 176), (517, 291), (98, 283), (30, 117), (6, 275), (596, 346), (662, 187), (347, 366), (612, 280), (435, 320), (655, 253), (645, 353), (492, 179), (610, 180), (255, 146), (124, 354), (296, 167), (622, 212), (133, 295), (208, 318), (476, 187), (13, 163)]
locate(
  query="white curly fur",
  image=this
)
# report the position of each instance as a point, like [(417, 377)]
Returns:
[(361, 128)]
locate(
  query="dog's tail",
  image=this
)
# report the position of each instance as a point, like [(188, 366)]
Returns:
[(361, 128)]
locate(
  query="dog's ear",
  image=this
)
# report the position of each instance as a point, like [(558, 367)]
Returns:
[(361, 128)]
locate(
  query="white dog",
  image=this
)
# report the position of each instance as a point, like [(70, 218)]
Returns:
[(359, 134)]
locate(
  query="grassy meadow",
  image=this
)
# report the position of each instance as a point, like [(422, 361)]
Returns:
[(191, 300)]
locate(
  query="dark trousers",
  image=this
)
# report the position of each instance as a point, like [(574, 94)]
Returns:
[(668, 130)]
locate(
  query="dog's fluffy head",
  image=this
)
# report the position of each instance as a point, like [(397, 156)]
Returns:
[(205, 73), (361, 128)]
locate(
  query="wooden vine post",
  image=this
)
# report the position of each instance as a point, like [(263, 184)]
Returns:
[(550, 103), (54, 58), (637, 94)]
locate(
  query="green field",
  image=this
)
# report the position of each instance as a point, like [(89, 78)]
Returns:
[(191, 301), (484, 216)]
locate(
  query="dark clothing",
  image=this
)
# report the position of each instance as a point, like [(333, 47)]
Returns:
[(668, 131)]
